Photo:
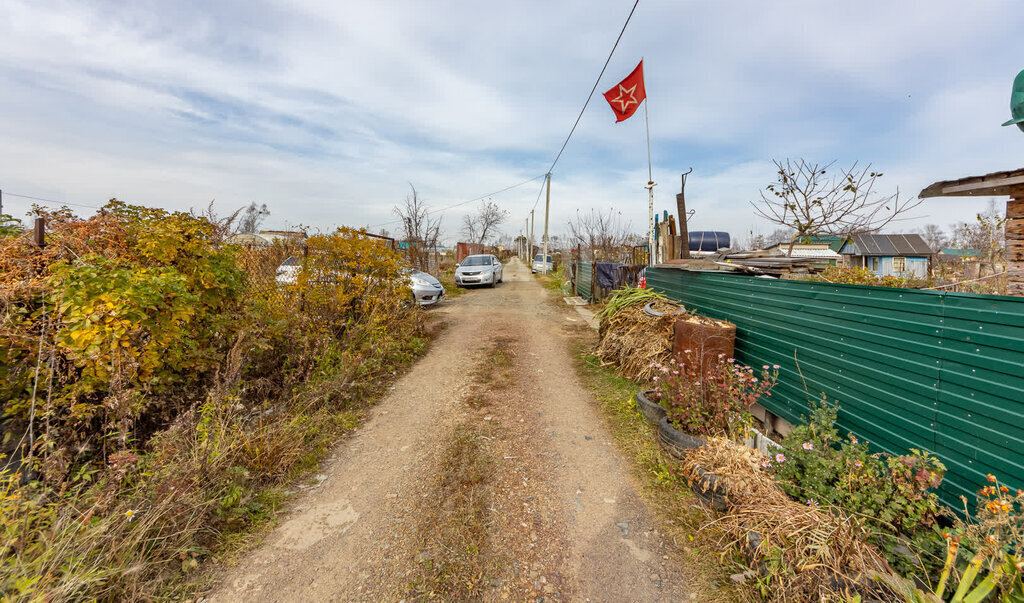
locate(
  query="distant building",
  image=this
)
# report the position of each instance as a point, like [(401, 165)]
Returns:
[(266, 238), (814, 251), (888, 255), (963, 255)]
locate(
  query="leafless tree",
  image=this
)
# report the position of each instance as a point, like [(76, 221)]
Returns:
[(418, 228), (480, 226), (600, 235), (251, 217), (934, 236), (812, 201)]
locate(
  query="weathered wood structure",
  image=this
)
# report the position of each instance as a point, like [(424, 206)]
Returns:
[(997, 184)]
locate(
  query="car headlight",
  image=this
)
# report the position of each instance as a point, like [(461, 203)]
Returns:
[(419, 282)]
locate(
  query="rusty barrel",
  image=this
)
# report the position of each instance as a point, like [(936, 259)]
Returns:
[(707, 338)]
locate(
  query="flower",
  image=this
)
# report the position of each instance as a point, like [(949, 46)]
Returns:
[(765, 366), (811, 502), (766, 463), (655, 377), (858, 464), (808, 446), (731, 360), (991, 478), (129, 514), (780, 458), (1004, 489), (853, 438), (775, 366), (687, 351)]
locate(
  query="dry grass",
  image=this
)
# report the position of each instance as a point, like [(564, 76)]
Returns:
[(634, 341), (803, 552), (455, 560)]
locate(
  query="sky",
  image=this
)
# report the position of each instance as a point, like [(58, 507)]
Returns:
[(328, 112)]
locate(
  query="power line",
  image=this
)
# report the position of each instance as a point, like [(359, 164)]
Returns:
[(598, 81), (52, 201), (460, 203)]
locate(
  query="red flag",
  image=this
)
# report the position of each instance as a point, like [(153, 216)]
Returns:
[(626, 96)]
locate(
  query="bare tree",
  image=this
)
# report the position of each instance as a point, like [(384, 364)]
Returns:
[(599, 235), (417, 226), (934, 236), (480, 226), (251, 217), (811, 201)]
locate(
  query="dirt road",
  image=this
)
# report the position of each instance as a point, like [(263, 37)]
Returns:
[(486, 474)]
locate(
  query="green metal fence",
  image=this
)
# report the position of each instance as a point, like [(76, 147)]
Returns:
[(943, 372), (584, 276)]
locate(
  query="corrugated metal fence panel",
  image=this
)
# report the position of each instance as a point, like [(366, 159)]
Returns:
[(937, 371), (583, 279)]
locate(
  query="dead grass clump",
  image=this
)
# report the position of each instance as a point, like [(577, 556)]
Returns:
[(802, 552), (635, 341)]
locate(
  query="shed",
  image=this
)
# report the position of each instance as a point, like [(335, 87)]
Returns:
[(889, 254)]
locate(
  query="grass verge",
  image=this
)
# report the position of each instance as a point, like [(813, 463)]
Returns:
[(706, 553)]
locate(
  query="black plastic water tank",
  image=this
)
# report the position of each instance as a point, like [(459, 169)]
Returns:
[(708, 240)]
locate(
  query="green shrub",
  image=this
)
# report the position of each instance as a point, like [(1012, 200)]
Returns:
[(891, 494)]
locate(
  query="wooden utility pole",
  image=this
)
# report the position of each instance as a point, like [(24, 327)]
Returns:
[(39, 233), (547, 207), (684, 231)]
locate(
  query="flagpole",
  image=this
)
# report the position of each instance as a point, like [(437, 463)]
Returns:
[(651, 252)]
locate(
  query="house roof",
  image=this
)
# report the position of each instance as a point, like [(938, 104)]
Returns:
[(834, 242), (996, 183), (964, 253), (891, 244), (807, 250)]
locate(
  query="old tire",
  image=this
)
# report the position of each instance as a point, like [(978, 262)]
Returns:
[(675, 442), (650, 311), (710, 493), (651, 410)]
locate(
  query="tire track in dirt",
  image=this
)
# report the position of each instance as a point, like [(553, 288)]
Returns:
[(486, 475)]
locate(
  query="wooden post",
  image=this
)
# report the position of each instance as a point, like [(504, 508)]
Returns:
[(39, 233), (1015, 242), (684, 234)]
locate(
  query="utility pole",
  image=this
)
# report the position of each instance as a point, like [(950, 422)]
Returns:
[(547, 208), (684, 231), (530, 258)]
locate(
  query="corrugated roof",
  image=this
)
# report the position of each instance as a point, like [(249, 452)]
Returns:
[(961, 252), (892, 244), (824, 253)]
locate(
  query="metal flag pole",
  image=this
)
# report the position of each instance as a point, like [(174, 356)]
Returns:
[(651, 252)]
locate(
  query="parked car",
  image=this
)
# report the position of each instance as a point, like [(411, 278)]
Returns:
[(426, 290), (539, 265), (483, 269)]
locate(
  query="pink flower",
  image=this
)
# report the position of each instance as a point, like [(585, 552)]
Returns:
[(808, 446), (765, 366), (731, 360), (858, 464), (766, 463), (687, 351), (775, 366), (853, 439), (811, 502), (655, 377), (780, 458)]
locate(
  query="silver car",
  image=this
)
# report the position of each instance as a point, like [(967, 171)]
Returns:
[(426, 290), (539, 265), (478, 270)]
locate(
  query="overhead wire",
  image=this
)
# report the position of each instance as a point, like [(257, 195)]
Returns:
[(592, 90), (51, 200), (460, 203)]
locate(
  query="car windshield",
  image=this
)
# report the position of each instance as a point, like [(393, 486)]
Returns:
[(477, 260), (291, 261), (540, 258)]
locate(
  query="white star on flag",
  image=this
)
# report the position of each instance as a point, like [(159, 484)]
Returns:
[(622, 100)]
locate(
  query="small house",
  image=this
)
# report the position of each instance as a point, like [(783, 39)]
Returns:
[(820, 252), (888, 254)]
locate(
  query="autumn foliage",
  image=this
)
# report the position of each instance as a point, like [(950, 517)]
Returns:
[(159, 383)]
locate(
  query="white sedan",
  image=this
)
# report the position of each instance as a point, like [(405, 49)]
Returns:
[(483, 269)]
